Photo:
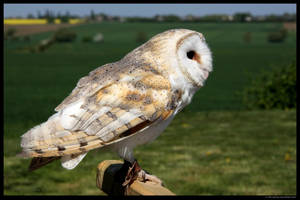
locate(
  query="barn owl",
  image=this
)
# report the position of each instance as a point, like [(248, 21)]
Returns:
[(123, 104)]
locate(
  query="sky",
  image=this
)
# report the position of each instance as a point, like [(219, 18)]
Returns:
[(148, 10)]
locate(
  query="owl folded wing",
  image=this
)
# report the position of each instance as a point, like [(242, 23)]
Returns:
[(112, 113)]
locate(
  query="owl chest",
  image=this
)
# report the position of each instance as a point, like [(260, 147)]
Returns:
[(145, 136), (151, 133)]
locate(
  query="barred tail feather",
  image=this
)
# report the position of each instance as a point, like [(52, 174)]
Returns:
[(38, 162)]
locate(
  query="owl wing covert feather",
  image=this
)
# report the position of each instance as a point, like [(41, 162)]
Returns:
[(115, 111), (91, 83)]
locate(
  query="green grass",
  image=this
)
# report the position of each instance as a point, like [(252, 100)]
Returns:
[(200, 153), (213, 147)]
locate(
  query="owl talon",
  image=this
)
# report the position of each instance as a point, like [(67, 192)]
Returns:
[(144, 177), (135, 172), (132, 174)]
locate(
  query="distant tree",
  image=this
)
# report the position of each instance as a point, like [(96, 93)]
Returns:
[(158, 18), (116, 18), (212, 18), (39, 15), (140, 19), (68, 14), (92, 15), (30, 16), (241, 17), (58, 15), (274, 89), (49, 15), (64, 35), (104, 16), (281, 18), (272, 18), (171, 18), (65, 18), (287, 17), (189, 18)]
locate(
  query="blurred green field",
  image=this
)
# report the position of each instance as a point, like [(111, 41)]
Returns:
[(213, 147)]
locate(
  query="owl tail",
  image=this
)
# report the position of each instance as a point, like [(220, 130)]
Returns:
[(40, 162), (40, 136), (28, 143), (68, 162)]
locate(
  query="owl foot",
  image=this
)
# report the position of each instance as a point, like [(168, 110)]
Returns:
[(143, 177), (135, 172)]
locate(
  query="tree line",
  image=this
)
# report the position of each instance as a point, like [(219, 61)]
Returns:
[(237, 17)]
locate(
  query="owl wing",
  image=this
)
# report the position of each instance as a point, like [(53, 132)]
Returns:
[(112, 113), (94, 81)]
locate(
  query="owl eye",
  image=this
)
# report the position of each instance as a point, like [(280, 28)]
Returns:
[(193, 56), (190, 54)]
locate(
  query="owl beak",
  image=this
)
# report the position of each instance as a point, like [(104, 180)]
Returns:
[(206, 73)]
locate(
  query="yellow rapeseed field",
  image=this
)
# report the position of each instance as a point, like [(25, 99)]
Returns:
[(24, 21), (75, 21), (57, 21), (37, 21)]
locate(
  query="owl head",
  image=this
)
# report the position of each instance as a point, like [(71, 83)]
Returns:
[(182, 54)]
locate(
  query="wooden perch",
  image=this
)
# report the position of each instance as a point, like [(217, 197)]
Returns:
[(111, 174)]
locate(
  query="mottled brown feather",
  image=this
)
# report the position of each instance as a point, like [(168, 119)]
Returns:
[(148, 92)]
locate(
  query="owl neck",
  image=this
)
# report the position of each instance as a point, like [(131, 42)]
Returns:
[(186, 88)]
